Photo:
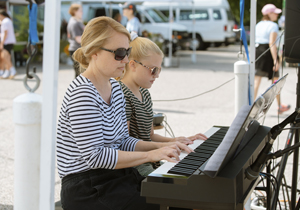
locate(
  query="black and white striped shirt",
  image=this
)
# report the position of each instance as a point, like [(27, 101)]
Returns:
[(90, 131), (139, 113)]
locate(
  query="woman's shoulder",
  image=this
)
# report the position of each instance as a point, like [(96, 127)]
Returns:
[(82, 84), (126, 90)]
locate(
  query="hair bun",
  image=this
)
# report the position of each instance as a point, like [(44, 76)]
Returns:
[(133, 35)]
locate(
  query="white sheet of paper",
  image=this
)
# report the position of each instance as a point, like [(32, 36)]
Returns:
[(215, 161)]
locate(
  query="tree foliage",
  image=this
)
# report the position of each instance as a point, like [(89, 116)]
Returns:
[(235, 9)]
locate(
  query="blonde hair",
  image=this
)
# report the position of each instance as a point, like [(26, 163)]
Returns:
[(73, 8), (141, 49), (95, 35), (266, 17)]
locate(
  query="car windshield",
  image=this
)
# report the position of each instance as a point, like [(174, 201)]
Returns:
[(157, 16)]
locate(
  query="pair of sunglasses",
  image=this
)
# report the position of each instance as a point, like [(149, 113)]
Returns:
[(120, 53), (154, 70)]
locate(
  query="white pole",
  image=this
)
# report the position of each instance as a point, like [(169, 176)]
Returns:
[(27, 119), (169, 58), (241, 71), (194, 59), (252, 47), (50, 72)]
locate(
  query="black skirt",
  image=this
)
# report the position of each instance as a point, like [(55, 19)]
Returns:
[(104, 189), (265, 63)]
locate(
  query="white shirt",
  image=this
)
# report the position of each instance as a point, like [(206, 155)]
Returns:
[(7, 25), (263, 30), (134, 25)]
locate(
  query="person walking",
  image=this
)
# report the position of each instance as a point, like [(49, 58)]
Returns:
[(8, 40), (133, 24), (266, 33), (75, 29), (95, 154)]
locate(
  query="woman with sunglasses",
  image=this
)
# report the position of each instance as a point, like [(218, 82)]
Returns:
[(95, 153), (143, 68)]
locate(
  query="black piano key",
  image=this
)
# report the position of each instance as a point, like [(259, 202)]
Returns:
[(204, 151), (188, 166), (205, 148), (192, 162), (186, 172), (198, 155)]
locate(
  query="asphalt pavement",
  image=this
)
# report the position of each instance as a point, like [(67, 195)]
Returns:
[(208, 84)]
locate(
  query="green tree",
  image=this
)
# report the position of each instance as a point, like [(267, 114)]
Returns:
[(235, 8)]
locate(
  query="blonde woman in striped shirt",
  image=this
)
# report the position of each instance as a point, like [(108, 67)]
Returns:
[(95, 153), (141, 71)]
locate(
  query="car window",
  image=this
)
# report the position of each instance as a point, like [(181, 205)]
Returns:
[(217, 14), (100, 12), (199, 15), (167, 12), (157, 16)]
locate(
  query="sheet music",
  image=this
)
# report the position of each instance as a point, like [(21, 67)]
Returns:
[(214, 163)]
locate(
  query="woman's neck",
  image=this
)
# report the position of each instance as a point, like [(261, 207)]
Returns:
[(101, 83)]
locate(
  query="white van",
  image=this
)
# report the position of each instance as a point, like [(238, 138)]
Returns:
[(214, 22), (153, 22)]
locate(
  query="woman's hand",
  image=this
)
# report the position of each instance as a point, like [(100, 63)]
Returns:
[(170, 154), (190, 139), (198, 136), (169, 151)]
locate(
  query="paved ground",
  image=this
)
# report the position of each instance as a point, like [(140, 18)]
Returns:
[(186, 117)]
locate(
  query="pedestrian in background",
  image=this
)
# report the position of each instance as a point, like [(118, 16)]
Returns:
[(8, 40), (74, 30), (266, 33), (133, 24)]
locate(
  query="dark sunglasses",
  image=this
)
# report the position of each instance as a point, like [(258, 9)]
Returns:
[(154, 70), (120, 53)]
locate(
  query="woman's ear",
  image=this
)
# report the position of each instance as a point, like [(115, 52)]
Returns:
[(94, 56), (132, 65)]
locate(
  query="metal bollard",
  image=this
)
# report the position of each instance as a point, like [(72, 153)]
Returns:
[(241, 71), (27, 109)]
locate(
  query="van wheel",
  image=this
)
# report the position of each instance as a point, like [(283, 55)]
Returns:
[(202, 45), (165, 48)]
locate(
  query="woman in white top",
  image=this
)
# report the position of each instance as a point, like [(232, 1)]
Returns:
[(8, 40), (266, 33)]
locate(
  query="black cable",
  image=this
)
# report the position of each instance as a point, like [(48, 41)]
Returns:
[(181, 99), (267, 176)]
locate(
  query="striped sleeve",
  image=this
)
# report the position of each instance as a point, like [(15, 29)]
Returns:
[(87, 125)]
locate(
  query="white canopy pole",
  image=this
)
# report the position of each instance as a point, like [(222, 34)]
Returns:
[(49, 81), (252, 47), (194, 59)]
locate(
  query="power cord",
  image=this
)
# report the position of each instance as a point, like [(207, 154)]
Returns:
[(181, 99)]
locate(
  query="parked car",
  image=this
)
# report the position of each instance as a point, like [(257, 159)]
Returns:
[(214, 22)]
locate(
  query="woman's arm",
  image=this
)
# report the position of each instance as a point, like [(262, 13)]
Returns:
[(273, 49), (4, 38)]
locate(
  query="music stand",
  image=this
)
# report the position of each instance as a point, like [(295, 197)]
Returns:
[(234, 140)]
